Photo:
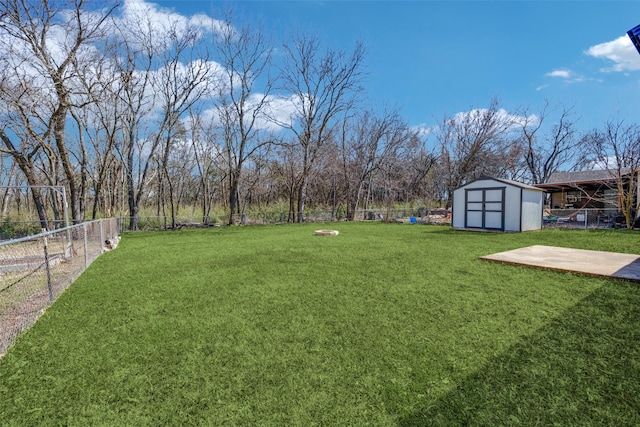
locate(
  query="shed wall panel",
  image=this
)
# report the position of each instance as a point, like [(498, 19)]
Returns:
[(512, 209), (532, 206)]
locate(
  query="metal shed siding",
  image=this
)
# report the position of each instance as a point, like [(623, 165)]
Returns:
[(513, 208), (457, 209), (532, 206), (521, 206)]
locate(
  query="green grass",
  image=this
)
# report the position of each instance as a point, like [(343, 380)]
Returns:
[(383, 325)]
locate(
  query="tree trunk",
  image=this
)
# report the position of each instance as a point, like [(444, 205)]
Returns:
[(302, 186), (5, 203), (59, 124), (5, 197), (302, 195), (205, 202), (172, 203), (234, 183), (291, 215), (131, 193)]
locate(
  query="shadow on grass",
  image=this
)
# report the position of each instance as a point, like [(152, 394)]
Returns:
[(580, 369), (630, 271)]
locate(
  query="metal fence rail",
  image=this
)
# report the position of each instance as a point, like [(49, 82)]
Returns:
[(35, 270)]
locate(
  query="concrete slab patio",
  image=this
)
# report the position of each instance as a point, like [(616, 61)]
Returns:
[(593, 263)]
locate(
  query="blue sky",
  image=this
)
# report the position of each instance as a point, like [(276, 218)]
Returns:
[(437, 58)]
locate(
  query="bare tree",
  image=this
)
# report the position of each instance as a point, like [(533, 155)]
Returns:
[(178, 168), (421, 163), (616, 148), (161, 76), (288, 173), (245, 56), (134, 62), (179, 86), (470, 144), (206, 155), (99, 122), (23, 146), (41, 41), (372, 141), (544, 155), (322, 85)]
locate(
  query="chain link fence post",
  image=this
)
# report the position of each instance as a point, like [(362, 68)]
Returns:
[(101, 238), (86, 245), (47, 266)]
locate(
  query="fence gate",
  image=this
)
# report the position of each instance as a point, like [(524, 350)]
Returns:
[(484, 208)]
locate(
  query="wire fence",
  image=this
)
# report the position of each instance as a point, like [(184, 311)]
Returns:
[(15, 229), (583, 218), (35, 270), (421, 215)]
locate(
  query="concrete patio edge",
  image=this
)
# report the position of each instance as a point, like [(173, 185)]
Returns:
[(586, 262)]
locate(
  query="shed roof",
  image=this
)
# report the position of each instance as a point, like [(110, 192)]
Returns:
[(505, 181)]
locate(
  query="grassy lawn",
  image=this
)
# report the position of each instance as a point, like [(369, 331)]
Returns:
[(383, 325)]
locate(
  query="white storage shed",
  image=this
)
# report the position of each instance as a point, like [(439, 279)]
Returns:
[(497, 204)]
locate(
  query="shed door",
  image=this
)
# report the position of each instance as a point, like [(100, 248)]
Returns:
[(484, 208)]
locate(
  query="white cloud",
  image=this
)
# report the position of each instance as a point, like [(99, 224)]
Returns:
[(422, 129), (283, 110), (566, 75), (502, 116), (562, 73), (621, 51), (151, 24), (278, 112), (204, 21), (474, 119)]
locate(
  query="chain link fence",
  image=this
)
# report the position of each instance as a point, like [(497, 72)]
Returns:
[(35, 270), (583, 218), (409, 215)]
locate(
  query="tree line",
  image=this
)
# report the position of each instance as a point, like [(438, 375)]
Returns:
[(134, 112)]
